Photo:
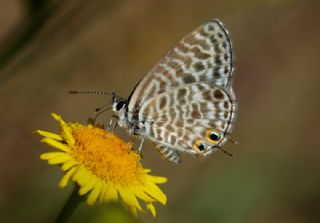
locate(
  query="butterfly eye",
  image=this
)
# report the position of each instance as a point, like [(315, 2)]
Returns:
[(199, 146), (119, 105), (213, 136)]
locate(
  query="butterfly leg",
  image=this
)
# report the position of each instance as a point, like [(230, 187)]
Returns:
[(131, 140), (112, 125), (141, 144)]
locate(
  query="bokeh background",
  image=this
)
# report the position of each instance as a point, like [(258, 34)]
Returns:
[(48, 47)]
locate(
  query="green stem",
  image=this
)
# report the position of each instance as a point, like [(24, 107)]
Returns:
[(70, 206)]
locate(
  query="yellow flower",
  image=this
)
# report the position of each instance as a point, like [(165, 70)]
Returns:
[(102, 165)]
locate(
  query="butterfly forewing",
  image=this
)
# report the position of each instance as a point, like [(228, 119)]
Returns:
[(203, 55)]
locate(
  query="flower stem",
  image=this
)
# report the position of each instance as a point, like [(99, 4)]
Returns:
[(70, 206)]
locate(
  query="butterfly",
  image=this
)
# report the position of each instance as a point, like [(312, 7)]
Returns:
[(186, 102)]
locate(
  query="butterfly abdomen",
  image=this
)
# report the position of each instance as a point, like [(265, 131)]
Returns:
[(168, 154)]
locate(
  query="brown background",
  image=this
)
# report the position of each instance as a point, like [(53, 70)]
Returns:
[(50, 47)]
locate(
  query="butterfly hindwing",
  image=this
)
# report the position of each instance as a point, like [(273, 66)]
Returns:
[(182, 117)]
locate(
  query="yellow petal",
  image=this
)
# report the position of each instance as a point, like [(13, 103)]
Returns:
[(68, 164), (57, 117), (156, 179), (87, 187), (65, 179), (134, 200), (55, 157), (49, 135), (68, 134), (128, 197), (152, 209), (143, 196), (103, 192), (58, 160), (56, 144), (66, 130), (94, 194), (51, 155), (124, 196), (111, 193), (155, 192), (82, 176)]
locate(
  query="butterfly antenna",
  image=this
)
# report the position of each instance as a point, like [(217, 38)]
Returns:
[(95, 92), (225, 151), (232, 141), (90, 92)]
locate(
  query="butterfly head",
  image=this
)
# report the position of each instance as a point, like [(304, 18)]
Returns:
[(119, 106), (118, 103)]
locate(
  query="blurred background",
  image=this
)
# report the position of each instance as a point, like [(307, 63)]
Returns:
[(48, 47)]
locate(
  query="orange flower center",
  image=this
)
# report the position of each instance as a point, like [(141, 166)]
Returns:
[(107, 156)]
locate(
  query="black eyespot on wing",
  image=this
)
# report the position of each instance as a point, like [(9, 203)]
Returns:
[(201, 147), (214, 136)]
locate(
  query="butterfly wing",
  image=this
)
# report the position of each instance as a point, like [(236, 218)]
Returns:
[(183, 118), (203, 55), (188, 95)]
